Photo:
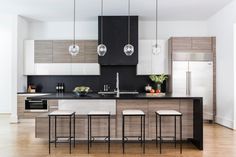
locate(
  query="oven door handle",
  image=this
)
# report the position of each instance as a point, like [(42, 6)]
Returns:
[(35, 101)]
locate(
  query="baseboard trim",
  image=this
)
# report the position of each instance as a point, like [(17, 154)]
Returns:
[(14, 119), (225, 122), (5, 114)]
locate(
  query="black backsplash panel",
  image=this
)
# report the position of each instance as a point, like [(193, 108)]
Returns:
[(127, 74)]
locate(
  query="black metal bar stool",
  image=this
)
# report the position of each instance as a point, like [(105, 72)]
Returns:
[(135, 113), (61, 113), (92, 138), (167, 113)]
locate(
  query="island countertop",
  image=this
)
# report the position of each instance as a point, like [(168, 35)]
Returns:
[(125, 96)]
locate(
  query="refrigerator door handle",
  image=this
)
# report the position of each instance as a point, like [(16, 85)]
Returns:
[(188, 82)]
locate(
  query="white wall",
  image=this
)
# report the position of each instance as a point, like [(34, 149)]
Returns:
[(88, 30), (168, 29), (62, 30), (221, 26), (6, 48), (22, 34)]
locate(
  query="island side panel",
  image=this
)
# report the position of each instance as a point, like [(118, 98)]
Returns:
[(198, 123)]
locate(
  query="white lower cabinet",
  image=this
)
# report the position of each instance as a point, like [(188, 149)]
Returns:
[(83, 107), (150, 64)]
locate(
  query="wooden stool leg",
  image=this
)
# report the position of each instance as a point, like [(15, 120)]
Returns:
[(88, 134), (175, 131), (109, 133), (74, 130), (123, 133), (49, 134), (70, 134), (144, 134), (141, 135), (156, 130), (55, 132), (160, 133), (181, 134)]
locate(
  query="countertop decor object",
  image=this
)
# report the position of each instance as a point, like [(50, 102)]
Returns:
[(158, 79), (148, 88), (81, 90), (74, 48)]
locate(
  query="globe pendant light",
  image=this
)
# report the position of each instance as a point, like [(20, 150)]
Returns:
[(74, 49), (156, 49), (129, 49), (101, 49)]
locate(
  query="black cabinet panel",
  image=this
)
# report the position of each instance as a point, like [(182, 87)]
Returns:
[(115, 37)]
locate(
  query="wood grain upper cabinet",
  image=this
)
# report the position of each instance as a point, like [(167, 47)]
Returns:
[(181, 43), (90, 53), (202, 43), (79, 58), (191, 44), (43, 51), (61, 51), (115, 37)]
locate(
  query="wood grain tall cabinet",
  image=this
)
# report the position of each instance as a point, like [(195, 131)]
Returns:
[(193, 49)]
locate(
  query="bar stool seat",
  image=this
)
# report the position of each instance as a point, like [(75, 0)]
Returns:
[(169, 113), (94, 113), (61, 113), (132, 112), (92, 138)]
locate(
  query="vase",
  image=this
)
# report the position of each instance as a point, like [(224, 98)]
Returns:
[(159, 87)]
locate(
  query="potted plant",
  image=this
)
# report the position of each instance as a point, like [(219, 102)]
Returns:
[(158, 79)]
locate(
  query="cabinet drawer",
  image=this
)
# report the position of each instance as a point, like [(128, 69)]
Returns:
[(202, 43), (183, 43), (61, 51), (43, 51)]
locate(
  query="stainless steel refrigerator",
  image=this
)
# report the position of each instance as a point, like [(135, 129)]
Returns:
[(195, 77)]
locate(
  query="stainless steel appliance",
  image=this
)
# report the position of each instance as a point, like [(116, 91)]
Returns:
[(193, 75), (36, 105)]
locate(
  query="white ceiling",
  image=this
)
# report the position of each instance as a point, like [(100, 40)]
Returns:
[(61, 10)]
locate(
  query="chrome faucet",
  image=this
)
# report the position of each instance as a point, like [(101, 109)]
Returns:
[(117, 85)]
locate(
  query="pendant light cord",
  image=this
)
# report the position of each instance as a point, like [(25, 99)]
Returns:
[(156, 21), (101, 21), (74, 22), (129, 22)]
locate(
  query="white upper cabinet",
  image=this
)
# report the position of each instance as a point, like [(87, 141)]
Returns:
[(29, 66), (150, 64), (85, 69), (52, 69), (44, 62)]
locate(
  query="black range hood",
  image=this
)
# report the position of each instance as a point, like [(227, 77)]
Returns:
[(115, 37)]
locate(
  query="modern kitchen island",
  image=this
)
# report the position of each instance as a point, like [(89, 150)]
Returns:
[(191, 107)]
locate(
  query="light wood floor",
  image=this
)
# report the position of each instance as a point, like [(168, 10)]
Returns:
[(17, 140)]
